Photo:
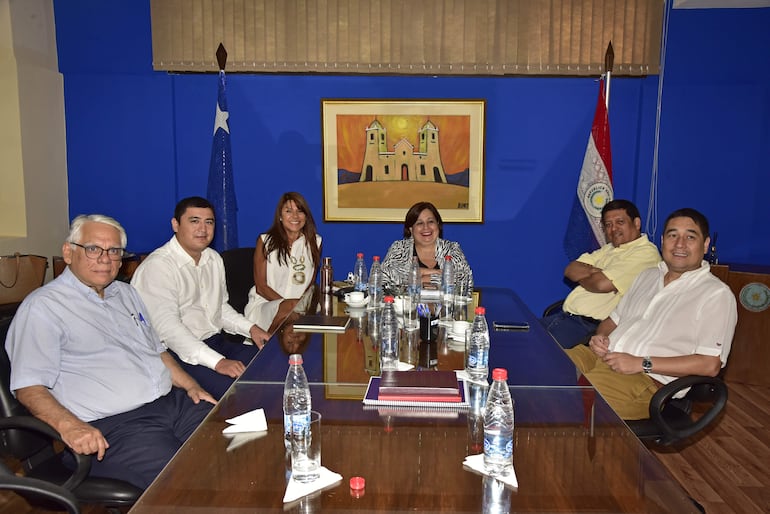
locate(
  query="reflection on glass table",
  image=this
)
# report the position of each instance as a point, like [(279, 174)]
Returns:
[(568, 457)]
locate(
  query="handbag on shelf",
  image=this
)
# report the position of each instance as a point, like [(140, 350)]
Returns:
[(20, 275)]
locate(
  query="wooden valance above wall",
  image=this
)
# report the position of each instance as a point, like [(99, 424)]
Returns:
[(411, 37)]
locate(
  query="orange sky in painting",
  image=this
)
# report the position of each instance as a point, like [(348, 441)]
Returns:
[(454, 137)]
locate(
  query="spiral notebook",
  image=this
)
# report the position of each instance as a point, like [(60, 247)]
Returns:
[(372, 394)]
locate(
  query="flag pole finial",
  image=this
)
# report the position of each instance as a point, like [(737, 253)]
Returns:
[(609, 58), (221, 56)]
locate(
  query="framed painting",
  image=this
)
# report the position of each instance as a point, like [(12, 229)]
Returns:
[(380, 157)]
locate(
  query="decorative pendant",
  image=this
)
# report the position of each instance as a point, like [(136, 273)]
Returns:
[(298, 278)]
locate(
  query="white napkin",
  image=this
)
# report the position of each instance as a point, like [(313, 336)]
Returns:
[(476, 463), (239, 439), (404, 366), (296, 490), (252, 421), (464, 376)]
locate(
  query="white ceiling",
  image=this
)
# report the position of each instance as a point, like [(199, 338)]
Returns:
[(719, 4)]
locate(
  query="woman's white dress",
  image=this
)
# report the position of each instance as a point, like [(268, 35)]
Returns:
[(285, 279)]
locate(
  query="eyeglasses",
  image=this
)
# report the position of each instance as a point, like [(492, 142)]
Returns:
[(94, 252)]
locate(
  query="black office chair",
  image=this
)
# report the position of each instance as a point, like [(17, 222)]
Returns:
[(673, 420), (553, 308), (46, 481), (239, 274)]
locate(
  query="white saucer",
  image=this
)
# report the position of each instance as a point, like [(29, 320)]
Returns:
[(358, 304), (455, 346), (355, 312)]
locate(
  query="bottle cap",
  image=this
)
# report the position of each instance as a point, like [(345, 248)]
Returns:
[(376, 258), (499, 374), (357, 485), (447, 257), (388, 299), (295, 358), (359, 254), (480, 310), (327, 261)]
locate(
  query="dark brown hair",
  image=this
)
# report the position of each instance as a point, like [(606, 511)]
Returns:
[(414, 212), (191, 201), (276, 234), (625, 205)]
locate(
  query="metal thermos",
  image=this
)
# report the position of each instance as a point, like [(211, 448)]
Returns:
[(327, 276)]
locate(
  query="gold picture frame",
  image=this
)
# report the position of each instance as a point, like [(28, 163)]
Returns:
[(380, 157)]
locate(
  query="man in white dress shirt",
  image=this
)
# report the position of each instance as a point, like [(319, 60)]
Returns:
[(183, 285), (677, 319)]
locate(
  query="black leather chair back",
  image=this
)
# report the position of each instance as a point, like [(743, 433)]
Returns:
[(239, 273), (19, 444)]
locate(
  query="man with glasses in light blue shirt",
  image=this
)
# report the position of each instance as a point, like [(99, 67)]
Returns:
[(85, 359)]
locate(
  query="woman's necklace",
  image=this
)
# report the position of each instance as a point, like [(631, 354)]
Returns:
[(298, 277)]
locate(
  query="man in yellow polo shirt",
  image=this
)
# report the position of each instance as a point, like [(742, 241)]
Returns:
[(603, 276)]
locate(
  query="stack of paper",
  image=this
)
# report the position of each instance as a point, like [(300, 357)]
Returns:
[(420, 386), (373, 396)]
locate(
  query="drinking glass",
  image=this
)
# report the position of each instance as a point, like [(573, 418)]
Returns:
[(463, 298), (306, 449)]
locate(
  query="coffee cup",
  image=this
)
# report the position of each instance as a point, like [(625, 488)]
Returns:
[(354, 297)]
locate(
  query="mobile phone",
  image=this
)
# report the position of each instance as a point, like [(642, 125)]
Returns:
[(510, 325)]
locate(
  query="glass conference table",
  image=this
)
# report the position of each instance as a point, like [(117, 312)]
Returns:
[(571, 452)]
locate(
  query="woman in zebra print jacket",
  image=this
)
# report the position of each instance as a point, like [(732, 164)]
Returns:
[(423, 231)]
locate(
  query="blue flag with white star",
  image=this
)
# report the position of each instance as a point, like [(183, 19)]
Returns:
[(221, 190)]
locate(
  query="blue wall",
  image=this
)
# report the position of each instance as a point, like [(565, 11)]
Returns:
[(139, 140)]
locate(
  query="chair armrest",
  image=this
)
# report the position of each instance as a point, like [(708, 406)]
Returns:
[(29, 423), (665, 394), (554, 307), (41, 488)]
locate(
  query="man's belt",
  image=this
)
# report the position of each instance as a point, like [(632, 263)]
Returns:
[(587, 319)]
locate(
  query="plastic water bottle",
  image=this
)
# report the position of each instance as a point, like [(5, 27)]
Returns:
[(415, 277), (447, 289), (375, 283), (477, 392), (496, 498), (477, 349), (498, 426), (296, 399), (359, 273), (470, 283), (414, 287), (389, 337)]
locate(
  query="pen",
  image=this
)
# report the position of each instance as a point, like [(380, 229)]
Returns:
[(141, 318), (133, 317)]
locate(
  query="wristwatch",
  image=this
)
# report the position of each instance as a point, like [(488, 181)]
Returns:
[(646, 364)]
